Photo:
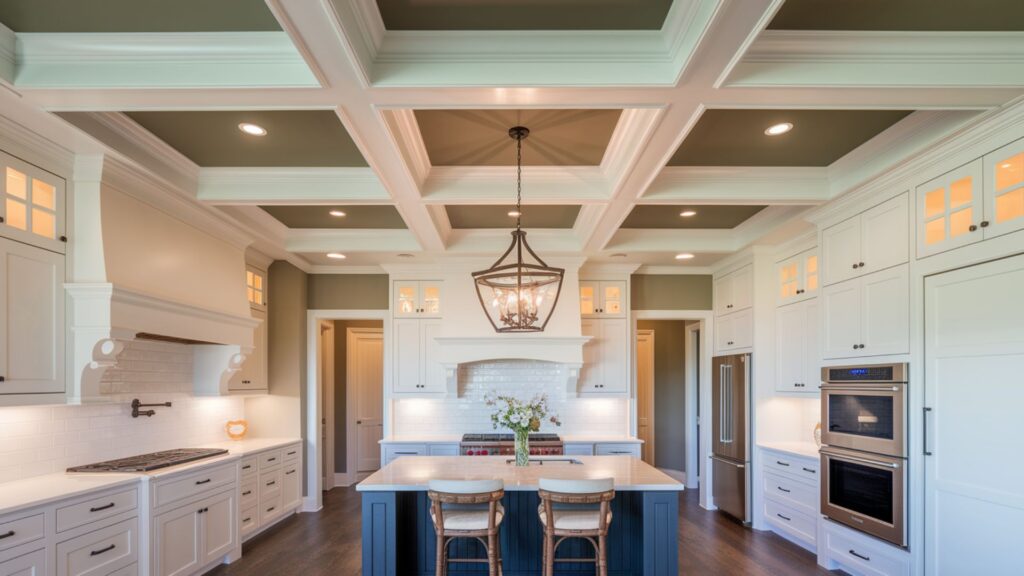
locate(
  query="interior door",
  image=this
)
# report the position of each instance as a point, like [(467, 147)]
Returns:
[(645, 393), (366, 377), (974, 356)]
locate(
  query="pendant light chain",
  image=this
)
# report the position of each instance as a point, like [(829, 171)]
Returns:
[(519, 181)]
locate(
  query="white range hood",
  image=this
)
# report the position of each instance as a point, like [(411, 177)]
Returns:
[(564, 350)]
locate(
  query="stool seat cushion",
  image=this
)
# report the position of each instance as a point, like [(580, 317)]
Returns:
[(574, 518), (469, 518)]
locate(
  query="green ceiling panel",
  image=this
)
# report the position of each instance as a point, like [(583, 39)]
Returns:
[(523, 14), (137, 16), (356, 217), (707, 217), (903, 15), (496, 216)]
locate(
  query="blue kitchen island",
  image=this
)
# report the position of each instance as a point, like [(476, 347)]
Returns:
[(399, 539)]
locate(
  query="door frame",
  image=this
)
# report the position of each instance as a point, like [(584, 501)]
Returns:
[(636, 367), (705, 319), (313, 499), (694, 349), (351, 447), (327, 366)]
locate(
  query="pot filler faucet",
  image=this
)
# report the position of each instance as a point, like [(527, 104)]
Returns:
[(136, 404)]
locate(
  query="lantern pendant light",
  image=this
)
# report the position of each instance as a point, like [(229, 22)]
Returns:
[(519, 291)]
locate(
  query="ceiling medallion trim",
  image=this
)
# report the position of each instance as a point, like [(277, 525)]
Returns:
[(519, 295)]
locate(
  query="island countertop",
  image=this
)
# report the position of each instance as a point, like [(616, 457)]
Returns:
[(412, 473)]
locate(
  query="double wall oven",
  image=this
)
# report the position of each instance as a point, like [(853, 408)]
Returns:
[(864, 448)]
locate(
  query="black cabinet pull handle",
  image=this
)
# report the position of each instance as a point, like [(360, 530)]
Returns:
[(7, 535), (272, 482), (246, 519), (292, 452), (781, 463), (861, 556), (289, 472), (247, 466), (811, 470), (98, 508), (786, 518), (271, 459), (271, 509), (781, 489), (102, 550), (247, 492), (207, 481)]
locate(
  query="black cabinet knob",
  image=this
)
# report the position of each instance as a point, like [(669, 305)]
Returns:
[(972, 228), (860, 265), (854, 266)]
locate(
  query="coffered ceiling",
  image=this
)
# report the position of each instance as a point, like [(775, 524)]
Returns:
[(918, 15), (480, 137), (523, 14), (137, 16), (818, 137), (396, 112)]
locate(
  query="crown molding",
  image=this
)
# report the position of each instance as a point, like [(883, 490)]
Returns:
[(633, 130), (8, 55), (797, 244), (163, 59), (738, 185), (35, 149), (405, 132), (360, 185), (881, 58)]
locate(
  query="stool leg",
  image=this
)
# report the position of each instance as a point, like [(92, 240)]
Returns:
[(602, 555), (492, 559), (549, 554), (439, 565)]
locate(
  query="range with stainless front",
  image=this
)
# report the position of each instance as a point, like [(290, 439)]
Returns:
[(504, 444), (730, 455), (864, 448)]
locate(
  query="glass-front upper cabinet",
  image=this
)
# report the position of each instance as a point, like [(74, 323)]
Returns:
[(797, 277), (256, 287), (417, 299), (949, 210), (31, 205), (1004, 189), (603, 298)]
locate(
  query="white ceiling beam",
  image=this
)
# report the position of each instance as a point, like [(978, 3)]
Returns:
[(8, 55), (167, 60), (496, 185), (341, 240), (222, 186), (738, 185), (492, 242), (882, 58)]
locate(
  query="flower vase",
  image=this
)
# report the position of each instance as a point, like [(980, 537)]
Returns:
[(522, 447)]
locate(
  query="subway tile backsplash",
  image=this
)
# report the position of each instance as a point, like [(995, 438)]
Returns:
[(44, 439), (520, 378)]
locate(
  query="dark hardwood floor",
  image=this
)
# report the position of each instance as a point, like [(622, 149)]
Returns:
[(328, 544)]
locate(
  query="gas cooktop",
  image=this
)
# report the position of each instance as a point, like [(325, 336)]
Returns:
[(508, 437), (152, 461)]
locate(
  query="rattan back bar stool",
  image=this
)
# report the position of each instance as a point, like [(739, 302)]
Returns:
[(467, 509), (576, 509)]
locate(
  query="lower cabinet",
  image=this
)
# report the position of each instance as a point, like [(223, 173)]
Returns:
[(271, 488), (790, 490), (31, 564), (624, 449), (194, 535), (860, 555)]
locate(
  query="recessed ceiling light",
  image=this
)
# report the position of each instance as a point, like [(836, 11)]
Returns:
[(781, 128), (336, 255), (337, 213), (688, 213), (684, 256), (252, 129), (618, 255), (515, 213)]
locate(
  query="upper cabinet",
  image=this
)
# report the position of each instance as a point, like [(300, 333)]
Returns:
[(871, 241), (416, 369), (31, 205), (798, 357), (417, 299), (734, 291), (603, 298), (31, 321), (867, 316), (605, 370), (256, 287), (975, 202), (252, 377), (797, 278)]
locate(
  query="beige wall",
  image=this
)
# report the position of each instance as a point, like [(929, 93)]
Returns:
[(669, 391), (670, 292), (348, 292)]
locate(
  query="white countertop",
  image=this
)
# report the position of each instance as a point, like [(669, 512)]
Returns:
[(610, 439), (41, 490), (456, 438), (798, 448), (411, 473), (438, 439)]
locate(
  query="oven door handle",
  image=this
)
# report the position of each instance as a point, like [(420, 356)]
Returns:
[(893, 465), (845, 388)]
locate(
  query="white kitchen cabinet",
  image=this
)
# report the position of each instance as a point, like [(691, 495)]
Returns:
[(734, 331), (950, 210), (31, 320), (1004, 189), (858, 554), (271, 488), (252, 377), (617, 449), (798, 360), (195, 535), (30, 564), (605, 370), (798, 277), (603, 298), (867, 316), (791, 495), (392, 452), (734, 291), (871, 241), (416, 366), (32, 205), (417, 299), (256, 287)]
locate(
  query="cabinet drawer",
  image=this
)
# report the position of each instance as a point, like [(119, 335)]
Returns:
[(22, 530), (98, 508), (101, 552), (248, 519), (193, 484), (31, 564), (291, 453), (291, 484), (617, 450), (249, 493), (578, 449), (269, 460), (132, 570), (859, 555), (798, 467), (249, 464), (270, 482), (786, 490), (444, 449), (399, 450), (791, 521), (270, 508)]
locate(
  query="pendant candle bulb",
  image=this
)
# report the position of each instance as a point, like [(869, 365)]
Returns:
[(519, 291)]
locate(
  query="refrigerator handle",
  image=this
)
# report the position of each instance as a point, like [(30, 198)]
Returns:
[(721, 403)]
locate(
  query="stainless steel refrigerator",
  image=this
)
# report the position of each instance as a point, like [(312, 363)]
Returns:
[(730, 428)]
